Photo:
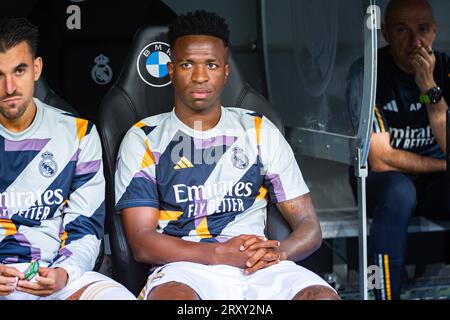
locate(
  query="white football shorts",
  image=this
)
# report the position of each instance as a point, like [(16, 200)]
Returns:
[(222, 282)]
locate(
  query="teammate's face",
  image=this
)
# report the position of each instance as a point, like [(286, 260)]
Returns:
[(18, 71), (409, 27), (199, 71)]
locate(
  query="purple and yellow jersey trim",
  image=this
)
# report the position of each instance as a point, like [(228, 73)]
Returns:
[(210, 185)]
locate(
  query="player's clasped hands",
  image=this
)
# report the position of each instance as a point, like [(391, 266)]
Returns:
[(250, 252), (264, 253)]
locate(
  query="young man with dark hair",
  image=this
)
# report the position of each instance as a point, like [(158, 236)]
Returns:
[(192, 186), (51, 186)]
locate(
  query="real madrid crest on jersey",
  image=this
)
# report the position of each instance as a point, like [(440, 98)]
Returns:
[(152, 64), (239, 158), (101, 73), (48, 166)]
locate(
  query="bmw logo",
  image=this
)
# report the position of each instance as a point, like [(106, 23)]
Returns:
[(152, 64)]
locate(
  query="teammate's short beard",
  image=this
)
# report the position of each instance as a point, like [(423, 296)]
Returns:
[(16, 115)]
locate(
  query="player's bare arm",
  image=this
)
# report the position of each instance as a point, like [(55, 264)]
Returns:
[(306, 235), (305, 238), (383, 157)]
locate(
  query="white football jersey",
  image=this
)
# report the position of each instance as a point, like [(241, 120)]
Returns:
[(208, 185), (52, 192)]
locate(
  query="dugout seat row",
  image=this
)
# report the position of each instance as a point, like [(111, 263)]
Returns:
[(130, 100)]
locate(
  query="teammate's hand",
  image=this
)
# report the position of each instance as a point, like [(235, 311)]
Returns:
[(49, 281), (424, 60), (8, 279), (265, 254)]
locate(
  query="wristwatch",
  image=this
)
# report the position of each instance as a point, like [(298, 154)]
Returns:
[(433, 96)]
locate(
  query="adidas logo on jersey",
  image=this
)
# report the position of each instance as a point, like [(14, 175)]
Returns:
[(391, 106), (184, 163)]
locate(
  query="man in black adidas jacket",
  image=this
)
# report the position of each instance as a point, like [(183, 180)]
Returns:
[(408, 144)]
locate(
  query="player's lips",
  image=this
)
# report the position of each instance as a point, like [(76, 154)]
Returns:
[(12, 99), (200, 93)]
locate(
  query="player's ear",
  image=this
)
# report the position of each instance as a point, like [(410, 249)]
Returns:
[(227, 63), (227, 72), (38, 64), (170, 69)]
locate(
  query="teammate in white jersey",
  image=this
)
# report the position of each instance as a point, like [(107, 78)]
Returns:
[(193, 184), (51, 185)]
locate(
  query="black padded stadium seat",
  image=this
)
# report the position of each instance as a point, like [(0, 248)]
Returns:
[(131, 99), (81, 64), (43, 92)]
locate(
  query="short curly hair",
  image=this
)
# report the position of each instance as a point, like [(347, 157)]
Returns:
[(199, 22)]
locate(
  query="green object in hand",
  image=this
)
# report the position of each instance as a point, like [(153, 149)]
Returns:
[(32, 270)]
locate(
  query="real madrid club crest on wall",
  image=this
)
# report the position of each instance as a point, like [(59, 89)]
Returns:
[(152, 64), (101, 73)]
